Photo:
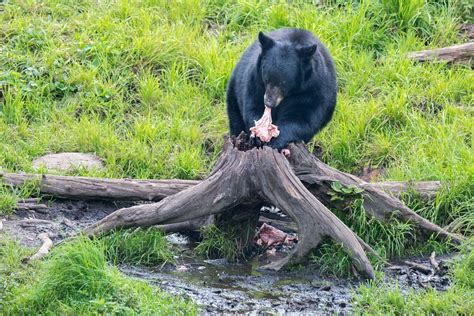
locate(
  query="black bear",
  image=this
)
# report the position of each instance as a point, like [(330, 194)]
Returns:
[(290, 71)]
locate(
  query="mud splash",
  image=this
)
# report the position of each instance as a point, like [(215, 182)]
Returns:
[(216, 285)]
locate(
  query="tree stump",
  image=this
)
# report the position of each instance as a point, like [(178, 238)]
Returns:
[(247, 175)]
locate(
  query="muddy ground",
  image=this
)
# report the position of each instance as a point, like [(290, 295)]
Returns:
[(216, 285)]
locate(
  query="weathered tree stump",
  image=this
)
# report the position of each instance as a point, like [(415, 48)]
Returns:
[(244, 175)]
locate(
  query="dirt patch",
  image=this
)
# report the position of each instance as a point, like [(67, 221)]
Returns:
[(216, 285), (61, 219)]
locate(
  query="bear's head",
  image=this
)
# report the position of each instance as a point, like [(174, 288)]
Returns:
[(283, 67)]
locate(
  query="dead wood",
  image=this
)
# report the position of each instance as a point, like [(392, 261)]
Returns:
[(462, 53), (47, 243), (467, 30), (241, 177), (424, 189), (418, 267), (34, 222), (30, 200), (286, 226), (318, 176), (31, 207), (84, 188), (187, 226)]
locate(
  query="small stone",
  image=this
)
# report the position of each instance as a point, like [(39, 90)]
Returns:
[(68, 162), (68, 222)]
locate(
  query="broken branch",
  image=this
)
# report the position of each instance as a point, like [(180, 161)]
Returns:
[(44, 249)]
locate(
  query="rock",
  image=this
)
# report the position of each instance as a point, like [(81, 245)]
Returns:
[(68, 161)]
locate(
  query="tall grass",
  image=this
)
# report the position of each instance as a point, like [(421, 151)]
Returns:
[(76, 279), (143, 247), (9, 196)]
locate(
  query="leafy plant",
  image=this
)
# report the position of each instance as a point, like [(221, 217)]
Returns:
[(339, 191)]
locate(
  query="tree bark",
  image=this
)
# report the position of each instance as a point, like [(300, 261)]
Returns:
[(462, 53)]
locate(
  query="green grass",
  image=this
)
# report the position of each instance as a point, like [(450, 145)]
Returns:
[(147, 82), (232, 243), (143, 247), (76, 279), (13, 274), (9, 196), (377, 298)]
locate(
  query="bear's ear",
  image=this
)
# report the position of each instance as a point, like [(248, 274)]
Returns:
[(265, 41), (306, 51)]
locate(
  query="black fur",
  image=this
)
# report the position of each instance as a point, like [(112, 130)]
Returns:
[(287, 65)]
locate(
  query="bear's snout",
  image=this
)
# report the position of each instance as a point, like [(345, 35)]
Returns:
[(272, 97)]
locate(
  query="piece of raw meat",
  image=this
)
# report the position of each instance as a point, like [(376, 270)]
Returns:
[(264, 129)]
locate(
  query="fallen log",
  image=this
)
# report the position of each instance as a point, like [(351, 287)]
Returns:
[(31, 207), (418, 267), (424, 189), (87, 188), (462, 53)]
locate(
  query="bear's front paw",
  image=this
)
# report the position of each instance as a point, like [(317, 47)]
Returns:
[(255, 142)]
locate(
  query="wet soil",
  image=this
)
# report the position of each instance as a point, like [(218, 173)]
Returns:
[(216, 285)]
